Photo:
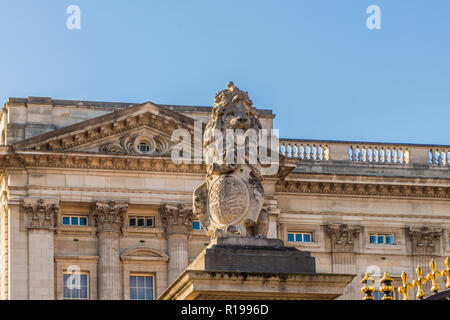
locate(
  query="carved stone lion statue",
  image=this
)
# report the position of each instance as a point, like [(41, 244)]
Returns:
[(230, 201)]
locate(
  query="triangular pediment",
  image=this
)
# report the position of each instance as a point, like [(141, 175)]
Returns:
[(142, 129)]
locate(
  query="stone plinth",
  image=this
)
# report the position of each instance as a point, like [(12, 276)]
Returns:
[(249, 268)]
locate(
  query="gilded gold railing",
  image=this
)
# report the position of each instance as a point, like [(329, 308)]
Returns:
[(387, 288)]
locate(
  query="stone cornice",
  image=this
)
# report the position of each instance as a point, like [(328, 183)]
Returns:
[(363, 189)]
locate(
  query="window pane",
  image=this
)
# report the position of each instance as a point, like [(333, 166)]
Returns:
[(149, 282), (196, 225), (83, 280), (133, 293), (66, 292), (149, 223), (298, 237), (381, 240), (373, 238), (84, 293), (66, 220), (149, 294), (141, 222), (141, 294), (390, 239), (290, 237), (307, 238), (133, 281), (74, 221), (83, 221), (140, 282), (132, 222)]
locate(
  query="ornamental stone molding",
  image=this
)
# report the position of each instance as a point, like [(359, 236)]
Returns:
[(363, 189), (342, 236), (176, 219), (157, 145), (42, 213), (424, 239), (109, 216)]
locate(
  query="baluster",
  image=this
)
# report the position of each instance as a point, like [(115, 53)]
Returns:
[(351, 153), (302, 154), (382, 155), (326, 153), (394, 154), (308, 152), (388, 155), (320, 150), (400, 156), (406, 156), (430, 156), (443, 158), (294, 151), (314, 152), (282, 149)]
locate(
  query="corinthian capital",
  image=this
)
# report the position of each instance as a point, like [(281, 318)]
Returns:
[(109, 215), (176, 218), (342, 236), (41, 213), (424, 239)]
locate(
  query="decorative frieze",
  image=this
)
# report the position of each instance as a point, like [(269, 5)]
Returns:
[(176, 219), (363, 189), (343, 237), (41, 213), (109, 215), (424, 239)]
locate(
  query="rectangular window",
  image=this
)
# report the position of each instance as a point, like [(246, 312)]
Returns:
[(300, 237), (382, 239), (74, 221), (76, 286), (141, 222), (196, 225), (141, 287)]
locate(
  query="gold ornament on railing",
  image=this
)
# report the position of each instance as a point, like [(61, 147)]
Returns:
[(386, 287), (433, 276), (419, 282), (367, 290), (446, 273), (403, 290)]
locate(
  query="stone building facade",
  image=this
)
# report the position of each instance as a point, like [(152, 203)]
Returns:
[(90, 187)]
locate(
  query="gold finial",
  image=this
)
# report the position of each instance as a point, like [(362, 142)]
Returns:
[(403, 290), (368, 291), (446, 273), (419, 282), (433, 276), (386, 287)]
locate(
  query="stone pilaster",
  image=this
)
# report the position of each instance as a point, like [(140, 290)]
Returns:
[(343, 238), (41, 226), (177, 221), (109, 217)]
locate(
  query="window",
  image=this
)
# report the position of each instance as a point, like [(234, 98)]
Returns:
[(300, 237), (196, 225), (141, 287), (74, 221), (382, 239), (142, 222), (76, 286), (144, 147)]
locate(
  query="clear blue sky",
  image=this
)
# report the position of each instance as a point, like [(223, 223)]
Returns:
[(313, 62)]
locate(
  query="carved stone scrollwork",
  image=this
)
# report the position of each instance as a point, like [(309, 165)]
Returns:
[(153, 145), (342, 236), (109, 215), (176, 219), (424, 239), (42, 213)]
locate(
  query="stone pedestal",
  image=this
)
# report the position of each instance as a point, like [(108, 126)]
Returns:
[(249, 268)]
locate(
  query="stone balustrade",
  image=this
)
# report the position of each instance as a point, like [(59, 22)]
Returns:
[(365, 152)]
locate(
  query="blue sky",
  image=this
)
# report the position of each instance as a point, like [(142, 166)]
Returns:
[(313, 62)]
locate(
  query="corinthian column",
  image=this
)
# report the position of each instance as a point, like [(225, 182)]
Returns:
[(177, 221), (109, 217)]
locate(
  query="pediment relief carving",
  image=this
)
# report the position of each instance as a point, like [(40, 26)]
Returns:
[(144, 253), (144, 143)]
